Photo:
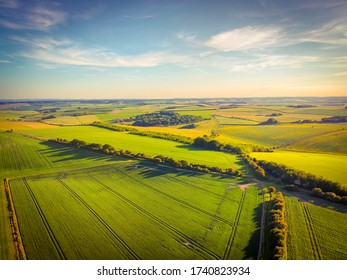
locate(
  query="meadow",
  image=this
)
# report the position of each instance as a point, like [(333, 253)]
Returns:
[(329, 166)]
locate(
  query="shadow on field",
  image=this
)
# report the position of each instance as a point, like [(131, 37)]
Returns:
[(251, 251), (149, 170), (190, 147), (60, 153)]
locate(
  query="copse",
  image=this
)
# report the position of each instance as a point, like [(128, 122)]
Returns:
[(210, 143), (164, 118)]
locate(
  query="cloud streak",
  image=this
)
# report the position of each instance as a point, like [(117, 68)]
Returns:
[(34, 18), (245, 38), (68, 52)]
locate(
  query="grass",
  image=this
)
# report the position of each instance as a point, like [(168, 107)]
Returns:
[(7, 249), (68, 120), (315, 232), (141, 144), (278, 135), (333, 142), (234, 121), (247, 234), (21, 155), (8, 125), (206, 114), (328, 166), (122, 212)]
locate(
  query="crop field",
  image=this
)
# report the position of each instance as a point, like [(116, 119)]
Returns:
[(234, 121), (333, 142), (328, 166), (67, 120), (141, 144), (132, 211), (278, 135), (315, 232), (21, 154), (8, 125)]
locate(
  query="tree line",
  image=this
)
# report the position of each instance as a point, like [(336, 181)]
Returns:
[(166, 136), (114, 127), (278, 228), (334, 119), (332, 191), (209, 143), (257, 170), (183, 164), (329, 196)]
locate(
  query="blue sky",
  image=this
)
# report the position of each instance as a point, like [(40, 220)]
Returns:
[(172, 49)]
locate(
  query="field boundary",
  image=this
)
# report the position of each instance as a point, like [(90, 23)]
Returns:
[(313, 239), (262, 229), (234, 228), (45, 222), (16, 235)]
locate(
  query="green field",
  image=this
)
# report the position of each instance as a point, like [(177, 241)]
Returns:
[(333, 142), (328, 166), (140, 144), (29, 156), (76, 204), (134, 211), (234, 121), (278, 135), (315, 232)]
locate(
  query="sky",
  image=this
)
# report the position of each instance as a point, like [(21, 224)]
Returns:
[(93, 49)]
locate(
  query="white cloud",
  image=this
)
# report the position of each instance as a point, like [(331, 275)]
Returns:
[(245, 38), (69, 53), (34, 18), (4, 61), (334, 32), (189, 37), (257, 63)]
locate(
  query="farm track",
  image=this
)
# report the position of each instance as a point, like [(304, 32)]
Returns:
[(195, 187), (179, 200), (45, 222), (155, 218), (309, 223), (233, 232), (262, 229), (130, 251)]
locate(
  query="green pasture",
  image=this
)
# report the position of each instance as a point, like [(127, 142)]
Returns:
[(329, 166), (315, 232), (130, 210), (141, 144)]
